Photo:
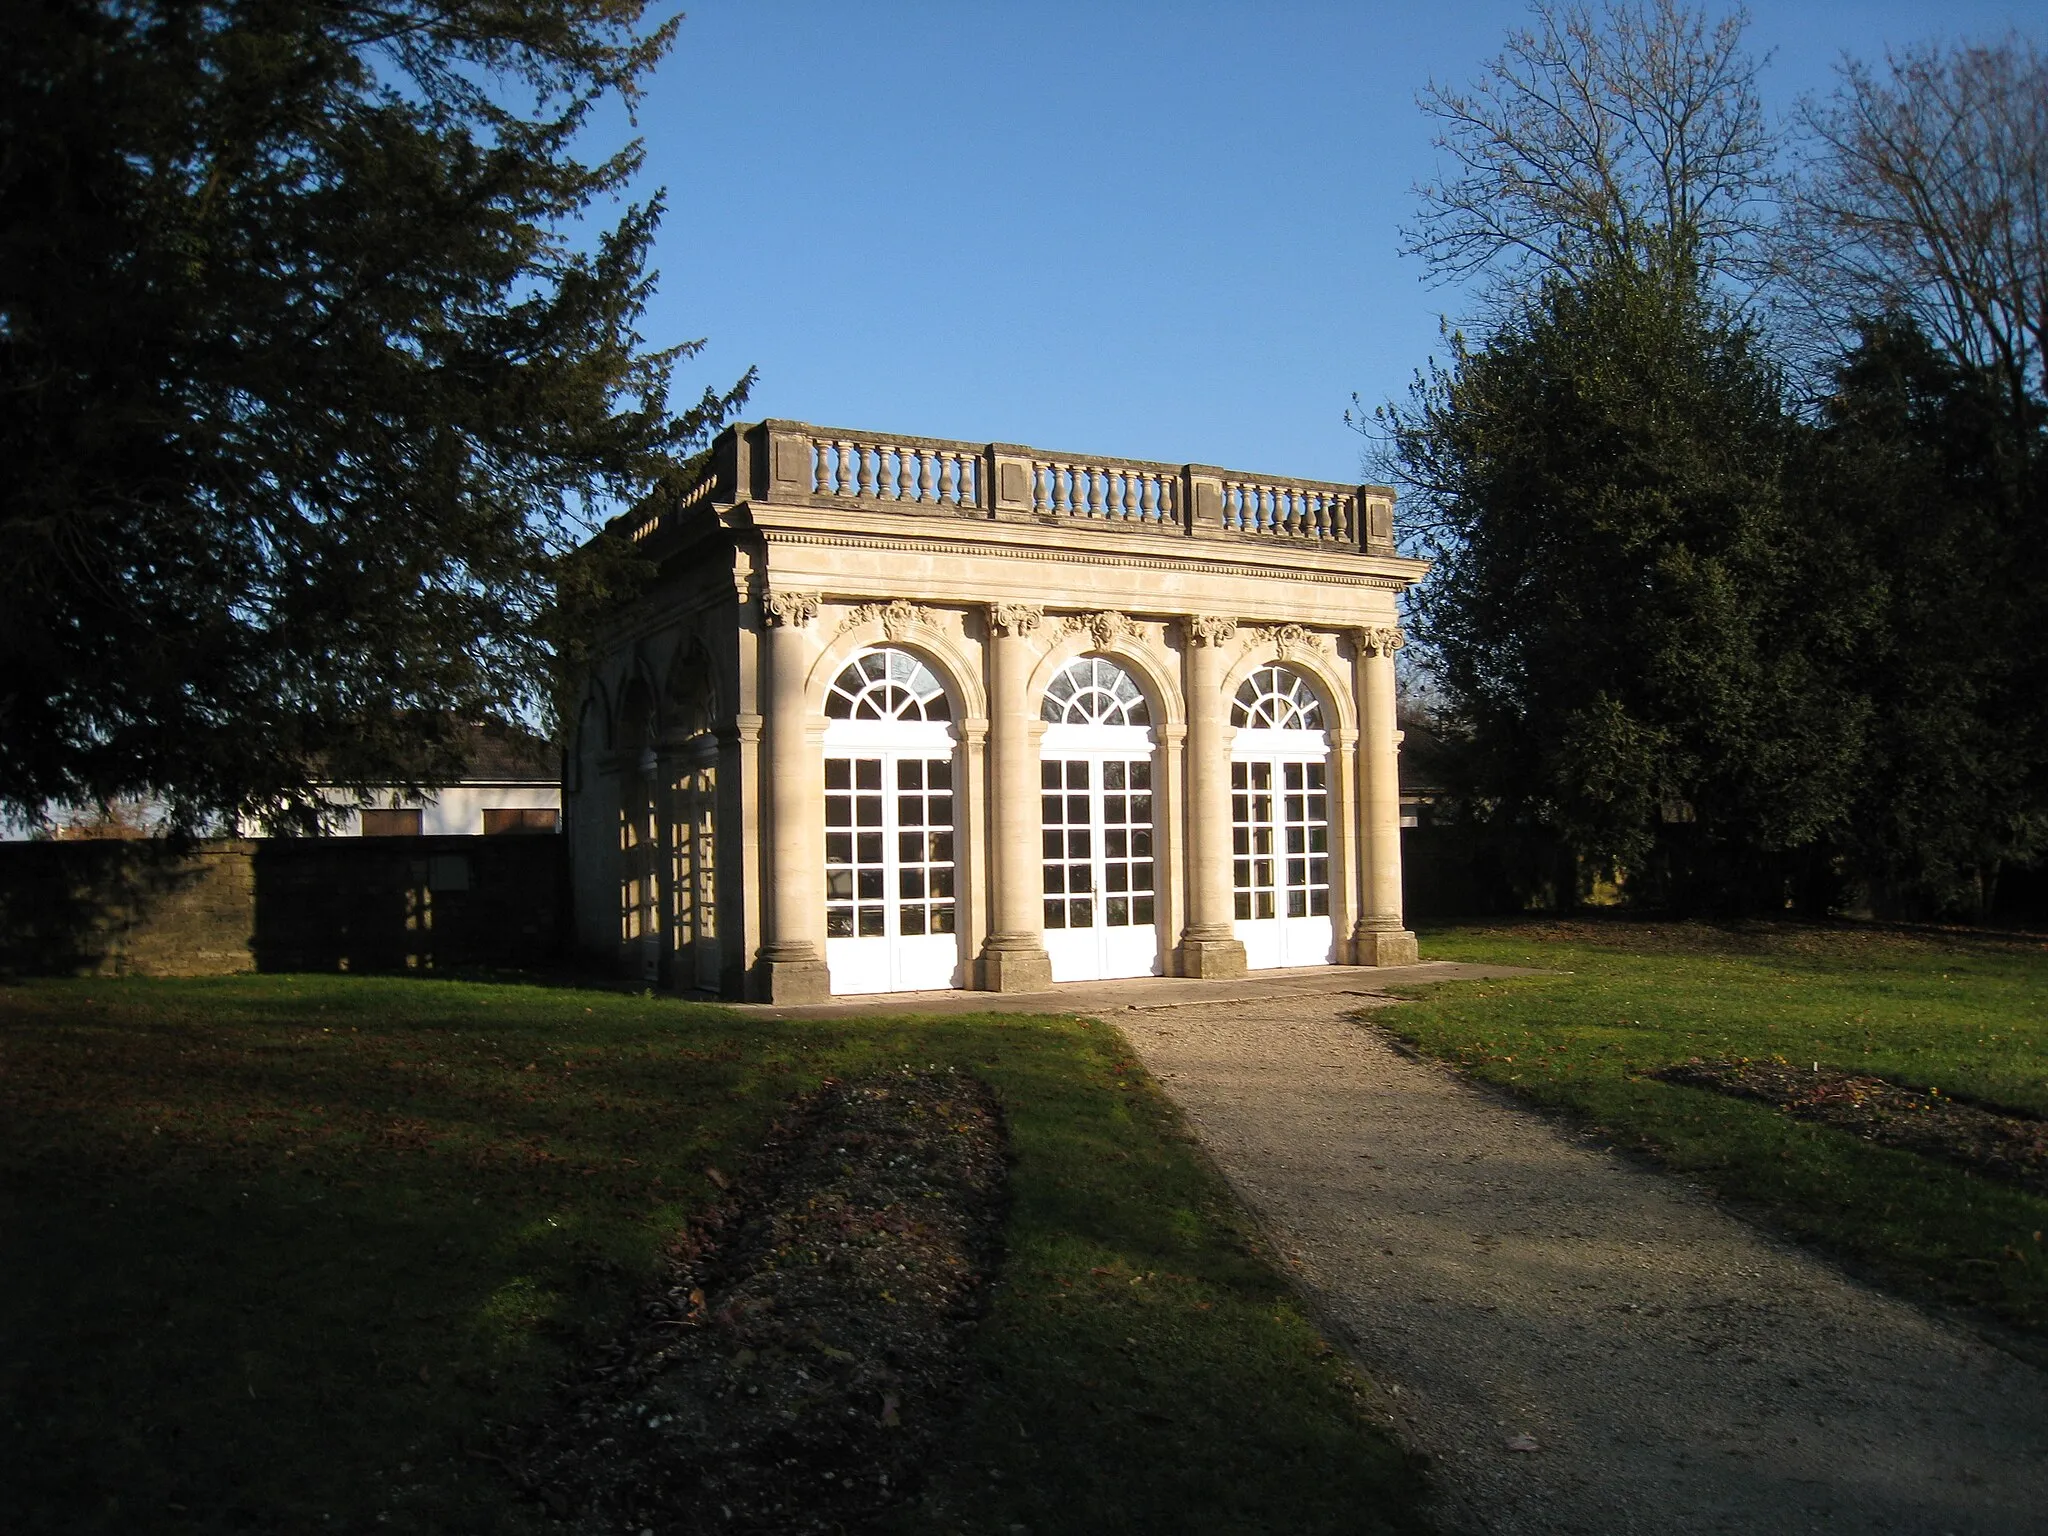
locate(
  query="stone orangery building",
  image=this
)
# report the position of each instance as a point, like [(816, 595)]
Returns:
[(907, 714)]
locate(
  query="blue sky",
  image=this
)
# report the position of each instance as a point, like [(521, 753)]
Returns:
[(1163, 231)]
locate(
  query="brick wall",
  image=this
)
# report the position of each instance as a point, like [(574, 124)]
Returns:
[(279, 904)]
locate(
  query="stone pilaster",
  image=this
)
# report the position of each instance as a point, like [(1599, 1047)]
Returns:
[(1380, 938), (1209, 945), (791, 964), (1013, 957)]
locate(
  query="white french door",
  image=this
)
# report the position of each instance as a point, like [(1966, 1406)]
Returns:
[(1280, 847), (1099, 869), (890, 904)]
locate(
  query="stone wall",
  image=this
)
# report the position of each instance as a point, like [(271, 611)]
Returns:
[(282, 904)]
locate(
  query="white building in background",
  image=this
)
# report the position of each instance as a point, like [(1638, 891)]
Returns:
[(905, 714), (511, 783)]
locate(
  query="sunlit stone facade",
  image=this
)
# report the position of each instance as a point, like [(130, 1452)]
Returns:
[(906, 714)]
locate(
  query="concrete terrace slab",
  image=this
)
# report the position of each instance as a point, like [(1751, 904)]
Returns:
[(1102, 999)]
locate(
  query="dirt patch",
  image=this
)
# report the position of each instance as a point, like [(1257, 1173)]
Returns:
[(2002, 1143), (798, 1367)]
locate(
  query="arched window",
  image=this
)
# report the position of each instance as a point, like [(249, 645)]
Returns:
[(1095, 691), (887, 685), (1275, 698)]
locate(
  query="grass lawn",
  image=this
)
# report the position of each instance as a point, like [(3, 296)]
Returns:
[(277, 1251), (1965, 1014)]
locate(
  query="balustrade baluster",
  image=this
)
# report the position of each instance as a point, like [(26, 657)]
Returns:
[(927, 463), (842, 450)]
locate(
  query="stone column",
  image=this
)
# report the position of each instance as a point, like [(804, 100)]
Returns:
[(792, 967), (1379, 938), (1209, 945), (1013, 957)]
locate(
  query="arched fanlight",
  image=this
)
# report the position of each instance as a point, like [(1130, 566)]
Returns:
[(1095, 691), (1277, 698), (887, 685)]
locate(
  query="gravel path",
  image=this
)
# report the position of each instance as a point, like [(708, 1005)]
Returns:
[(1677, 1370)]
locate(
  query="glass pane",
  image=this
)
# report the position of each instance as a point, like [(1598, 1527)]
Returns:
[(1052, 843), (940, 808), (910, 847), (1265, 903), (1056, 879), (1141, 775), (1116, 912), (909, 773), (1141, 910), (870, 884), (1297, 903), (942, 883), (910, 921), (1141, 877), (867, 810), (1141, 807), (910, 884), (1116, 877), (1052, 810), (1080, 914), (1243, 905), (1077, 776), (1141, 842), (939, 773), (941, 845), (1055, 914), (1316, 771), (1049, 775), (1241, 874), (1112, 775), (869, 846), (1077, 843), (871, 922), (839, 885), (1240, 776), (839, 923), (1116, 843), (1080, 877), (1319, 903), (867, 773), (838, 810), (942, 918), (1116, 808), (838, 847), (838, 773), (910, 810)]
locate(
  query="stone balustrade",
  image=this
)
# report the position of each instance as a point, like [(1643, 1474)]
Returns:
[(791, 462), (1291, 509)]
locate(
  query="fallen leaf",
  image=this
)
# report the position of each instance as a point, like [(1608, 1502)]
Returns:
[(1523, 1443), (717, 1178)]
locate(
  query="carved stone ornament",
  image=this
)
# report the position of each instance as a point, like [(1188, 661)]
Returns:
[(1105, 629), (1015, 618), (794, 609), (1379, 639), (898, 617), (1208, 628), (1291, 641)]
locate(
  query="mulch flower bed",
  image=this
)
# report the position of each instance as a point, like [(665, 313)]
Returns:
[(801, 1363), (2005, 1144)]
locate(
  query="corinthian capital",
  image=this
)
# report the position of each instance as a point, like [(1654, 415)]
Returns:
[(1379, 639), (1208, 628), (1015, 618), (795, 609)]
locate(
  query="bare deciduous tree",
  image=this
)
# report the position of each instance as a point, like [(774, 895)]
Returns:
[(1633, 133), (1927, 195)]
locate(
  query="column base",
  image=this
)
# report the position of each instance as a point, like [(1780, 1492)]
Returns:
[(1015, 970), (1214, 959), (1371, 946), (801, 979)]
